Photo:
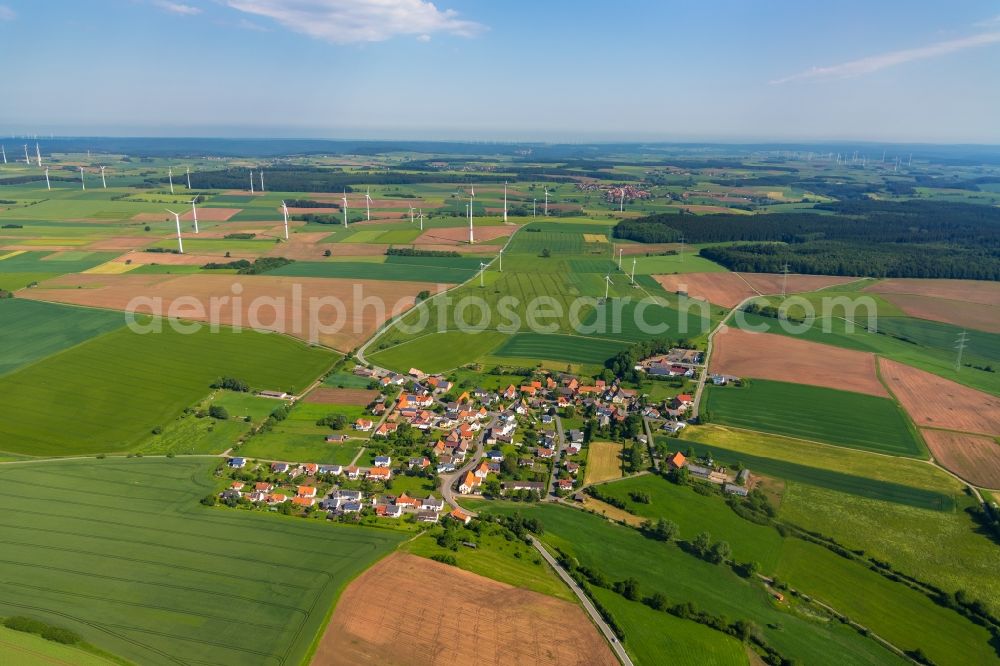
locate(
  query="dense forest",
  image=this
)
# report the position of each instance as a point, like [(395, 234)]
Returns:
[(858, 237)]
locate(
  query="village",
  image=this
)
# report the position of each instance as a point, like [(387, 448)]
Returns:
[(437, 443)]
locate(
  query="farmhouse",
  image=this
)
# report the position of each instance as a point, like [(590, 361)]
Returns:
[(536, 486), (677, 460), (379, 474), (470, 484), (364, 425), (277, 395)]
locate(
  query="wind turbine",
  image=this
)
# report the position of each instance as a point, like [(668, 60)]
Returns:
[(83, 183), (170, 176), (38, 155), (632, 278), (261, 180), (177, 219), (368, 203), (251, 181), (194, 214), (482, 271), (534, 205), (3, 149), (546, 201), (607, 286), (27, 160), (500, 259), (48, 185), (104, 181), (284, 209), (505, 202), (621, 206), (411, 214), (344, 199), (469, 209), (472, 197), (421, 219), (187, 172), (621, 250)]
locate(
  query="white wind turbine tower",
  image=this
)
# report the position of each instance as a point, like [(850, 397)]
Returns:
[(411, 214), (344, 199), (104, 181), (284, 209), (251, 181), (3, 149), (27, 160), (170, 177), (48, 185), (621, 205), (177, 219), (421, 219), (632, 277), (261, 180), (368, 203), (500, 259), (534, 205), (607, 286), (83, 183), (194, 213), (187, 172), (505, 201), (468, 209), (38, 155), (482, 271), (546, 201), (472, 197), (621, 250)]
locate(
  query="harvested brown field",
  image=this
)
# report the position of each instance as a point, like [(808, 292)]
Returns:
[(770, 283), (340, 396), (960, 313), (415, 611), (728, 289), (708, 209), (937, 402), (338, 313), (970, 291), (786, 359), (212, 214), (975, 458), (725, 289), (460, 235), (464, 249)]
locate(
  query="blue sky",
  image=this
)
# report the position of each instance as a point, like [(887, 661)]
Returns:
[(556, 70)]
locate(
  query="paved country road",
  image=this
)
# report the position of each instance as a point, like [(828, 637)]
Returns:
[(587, 604)]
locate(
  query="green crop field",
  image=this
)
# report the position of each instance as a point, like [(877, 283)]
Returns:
[(347, 380), (825, 478), (110, 392), (122, 552), (647, 319), (439, 352), (299, 439), (32, 330), (24, 649), (620, 552), (558, 348), (811, 412), (53, 262)]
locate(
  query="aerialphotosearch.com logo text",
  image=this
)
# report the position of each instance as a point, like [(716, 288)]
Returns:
[(315, 317)]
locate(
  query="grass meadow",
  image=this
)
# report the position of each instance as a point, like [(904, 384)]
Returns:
[(121, 551), (826, 415)]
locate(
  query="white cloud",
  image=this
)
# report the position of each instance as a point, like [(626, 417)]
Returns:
[(891, 59), (6, 13), (177, 8), (350, 21)]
